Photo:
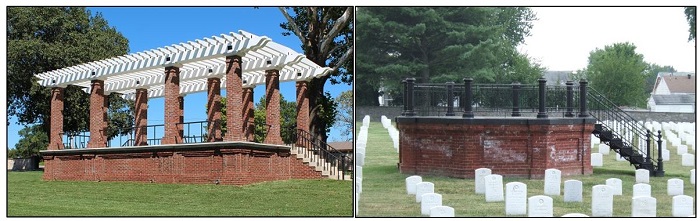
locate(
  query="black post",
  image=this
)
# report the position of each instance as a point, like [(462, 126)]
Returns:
[(468, 98), (569, 99), (450, 97), (405, 94), (582, 98), (542, 86), (659, 168), (648, 158), (409, 97), (516, 100)]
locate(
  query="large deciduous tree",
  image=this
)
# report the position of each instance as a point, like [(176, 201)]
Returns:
[(690, 16), (618, 72), (42, 39), (440, 44), (326, 36), (345, 118)]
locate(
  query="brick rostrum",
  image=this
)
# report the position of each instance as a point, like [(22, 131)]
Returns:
[(512, 147)]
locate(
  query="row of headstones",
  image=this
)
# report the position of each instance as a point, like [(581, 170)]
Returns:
[(430, 202), (361, 142), (491, 185), (675, 133), (687, 159), (393, 132)]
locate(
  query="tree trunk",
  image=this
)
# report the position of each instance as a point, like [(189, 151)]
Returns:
[(317, 126)]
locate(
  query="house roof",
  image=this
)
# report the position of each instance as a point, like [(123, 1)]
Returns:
[(670, 99), (341, 146), (680, 84)]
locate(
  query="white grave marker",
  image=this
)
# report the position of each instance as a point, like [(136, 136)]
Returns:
[(619, 158), (603, 149), (411, 184), (573, 191), (597, 159), (429, 200), (442, 211), (479, 175), (643, 206), (641, 189), (616, 184), (574, 215), (423, 188), (516, 198), (641, 176), (681, 149), (358, 185), (692, 176), (666, 154), (688, 160), (602, 201), (674, 187), (493, 188), (540, 206), (360, 158), (682, 206), (358, 172), (552, 182)]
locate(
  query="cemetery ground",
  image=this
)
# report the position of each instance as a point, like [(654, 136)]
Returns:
[(29, 195), (384, 189)]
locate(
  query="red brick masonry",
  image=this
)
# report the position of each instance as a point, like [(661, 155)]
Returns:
[(512, 147), (237, 163)]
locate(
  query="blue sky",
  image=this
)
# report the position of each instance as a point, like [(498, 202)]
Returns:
[(152, 27)]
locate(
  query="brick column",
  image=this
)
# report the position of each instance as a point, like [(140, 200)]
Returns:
[(214, 109), (303, 106), (234, 107), (272, 107), (172, 105), (98, 115), (248, 114), (181, 119), (55, 137), (141, 117)]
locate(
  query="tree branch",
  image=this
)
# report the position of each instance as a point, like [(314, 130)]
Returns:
[(294, 26), (343, 59), (339, 24)]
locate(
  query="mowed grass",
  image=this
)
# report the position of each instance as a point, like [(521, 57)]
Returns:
[(29, 195), (384, 191)]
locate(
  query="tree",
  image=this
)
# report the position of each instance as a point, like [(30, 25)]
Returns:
[(42, 39), (690, 16), (326, 36), (617, 72), (441, 44), (345, 119), (33, 140), (651, 72)]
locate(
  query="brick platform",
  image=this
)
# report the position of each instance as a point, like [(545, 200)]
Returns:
[(237, 163), (512, 147)]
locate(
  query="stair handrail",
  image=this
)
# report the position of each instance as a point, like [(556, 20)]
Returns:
[(617, 114), (324, 151)]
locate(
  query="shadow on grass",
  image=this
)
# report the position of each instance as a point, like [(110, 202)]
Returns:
[(613, 171)]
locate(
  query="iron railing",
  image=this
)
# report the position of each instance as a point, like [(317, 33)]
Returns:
[(194, 132), (338, 164), (76, 140), (130, 138)]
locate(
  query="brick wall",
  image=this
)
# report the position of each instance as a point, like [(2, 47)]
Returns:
[(98, 115), (272, 107), (56, 123), (237, 166), (510, 147)]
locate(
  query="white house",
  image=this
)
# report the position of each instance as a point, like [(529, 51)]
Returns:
[(673, 92)]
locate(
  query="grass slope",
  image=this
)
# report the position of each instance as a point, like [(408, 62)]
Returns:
[(384, 191), (29, 195)]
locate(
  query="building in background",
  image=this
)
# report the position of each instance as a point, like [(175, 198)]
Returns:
[(673, 92)]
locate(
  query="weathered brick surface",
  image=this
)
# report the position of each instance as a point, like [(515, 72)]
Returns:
[(172, 106), (248, 114), (456, 150), (55, 140), (141, 117), (234, 105), (98, 115), (272, 107), (302, 105), (214, 109), (228, 166)]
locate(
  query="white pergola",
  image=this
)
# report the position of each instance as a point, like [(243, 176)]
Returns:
[(198, 60)]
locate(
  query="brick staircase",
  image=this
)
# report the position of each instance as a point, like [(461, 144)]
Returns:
[(324, 158)]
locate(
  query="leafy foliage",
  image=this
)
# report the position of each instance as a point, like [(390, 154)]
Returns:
[(690, 16), (288, 121), (33, 140), (651, 72), (440, 44), (42, 39), (617, 71), (344, 118)]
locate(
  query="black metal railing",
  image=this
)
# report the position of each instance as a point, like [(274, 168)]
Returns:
[(129, 139), (337, 163), (76, 140), (194, 132)]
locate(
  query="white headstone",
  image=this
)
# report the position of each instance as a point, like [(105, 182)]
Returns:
[(573, 191), (358, 185), (619, 158), (641, 189), (666, 154), (442, 211), (643, 206), (641, 176), (574, 215), (429, 200), (692, 176), (602, 201), (540, 206), (552, 182), (688, 160), (682, 206), (681, 149), (360, 158), (358, 171), (493, 188), (411, 184), (616, 184), (516, 198), (597, 159), (674, 187), (603, 149), (479, 175), (423, 188)]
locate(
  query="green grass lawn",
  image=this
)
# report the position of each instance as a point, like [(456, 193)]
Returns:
[(29, 195), (384, 191)]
